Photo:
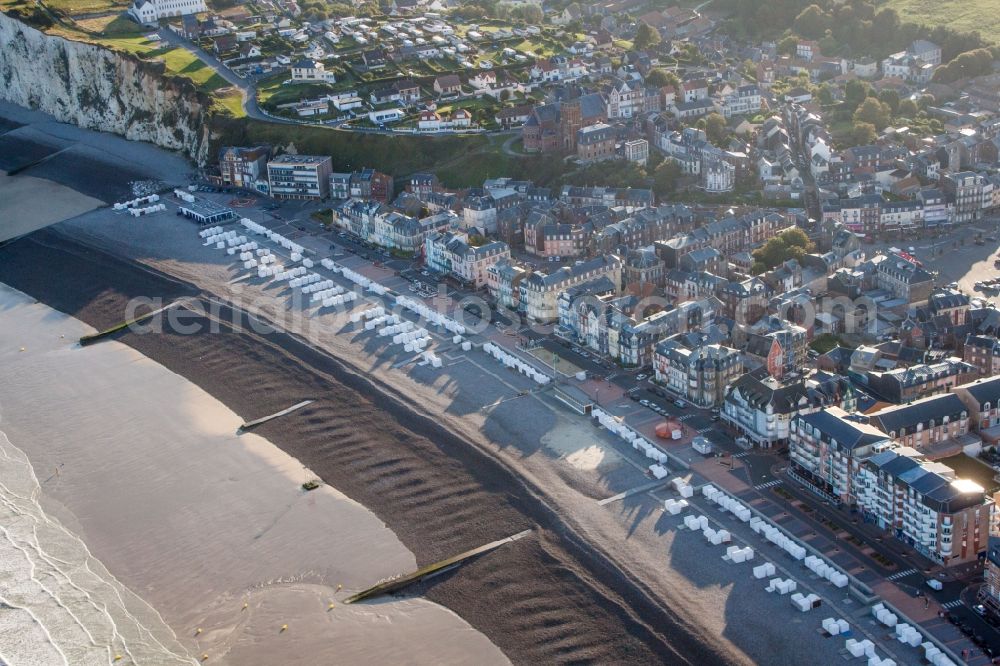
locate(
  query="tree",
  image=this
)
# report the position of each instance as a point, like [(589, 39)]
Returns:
[(659, 77), (855, 92), (874, 112), (790, 244), (824, 95), (646, 36), (907, 108), (532, 14), (788, 45), (715, 128), (665, 177), (863, 134), (890, 98), (811, 22), (968, 64)]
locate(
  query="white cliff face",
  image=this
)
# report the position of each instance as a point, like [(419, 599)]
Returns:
[(100, 89)]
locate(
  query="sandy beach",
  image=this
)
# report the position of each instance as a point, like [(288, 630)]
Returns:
[(147, 469), (615, 583)]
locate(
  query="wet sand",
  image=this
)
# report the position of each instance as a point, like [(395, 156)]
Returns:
[(21, 204), (148, 470)]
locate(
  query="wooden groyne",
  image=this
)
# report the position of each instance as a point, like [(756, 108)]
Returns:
[(437, 568)]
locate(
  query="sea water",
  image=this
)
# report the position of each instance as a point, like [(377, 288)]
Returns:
[(58, 604)]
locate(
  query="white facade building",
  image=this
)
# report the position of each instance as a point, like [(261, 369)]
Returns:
[(151, 11)]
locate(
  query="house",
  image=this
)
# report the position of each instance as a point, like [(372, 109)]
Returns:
[(150, 11), (513, 116), (249, 50), (311, 70), (429, 121), (373, 59), (448, 84), (403, 91), (483, 80), (224, 44)]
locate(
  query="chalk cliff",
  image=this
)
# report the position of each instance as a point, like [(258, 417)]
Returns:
[(97, 88)]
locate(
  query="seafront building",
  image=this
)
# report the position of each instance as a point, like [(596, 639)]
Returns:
[(299, 176), (926, 505)]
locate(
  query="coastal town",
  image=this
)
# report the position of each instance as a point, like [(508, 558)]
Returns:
[(735, 272)]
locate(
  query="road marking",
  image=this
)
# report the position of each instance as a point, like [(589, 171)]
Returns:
[(769, 484), (741, 455), (899, 575), (686, 417), (704, 430), (952, 604)]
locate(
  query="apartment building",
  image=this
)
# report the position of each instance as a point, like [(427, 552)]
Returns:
[(299, 176), (452, 253), (925, 505), (539, 292), (973, 194), (982, 352), (595, 142), (243, 167), (982, 400), (828, 447), (761, 409), (923, 424), (699, 374), (920, 380), (503, 280)]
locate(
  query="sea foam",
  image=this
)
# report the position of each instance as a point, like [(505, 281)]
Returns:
[(58, 604)]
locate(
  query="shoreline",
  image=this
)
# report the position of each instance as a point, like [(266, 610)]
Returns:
[(171, 492), (586, 639)]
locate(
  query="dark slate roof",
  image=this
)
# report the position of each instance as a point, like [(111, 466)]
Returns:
[(894, 419), (984, 390), (849, 435)]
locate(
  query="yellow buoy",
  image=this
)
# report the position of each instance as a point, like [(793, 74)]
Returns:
[(284, 627), (197, 631), (118, 657), (245, 605), (204, 657), (339, 587), (330, 607)]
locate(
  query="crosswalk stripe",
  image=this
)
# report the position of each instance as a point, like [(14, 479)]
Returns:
[(764, 486), (901, 574), (744, 454), (952, 604)]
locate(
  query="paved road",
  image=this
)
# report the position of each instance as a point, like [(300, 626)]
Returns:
[(250, 105)]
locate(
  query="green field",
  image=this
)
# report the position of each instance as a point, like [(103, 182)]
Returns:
[(179, 61), (962, 15)]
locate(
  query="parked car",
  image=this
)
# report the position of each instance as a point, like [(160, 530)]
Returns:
[(640, 377), (680, 404)]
